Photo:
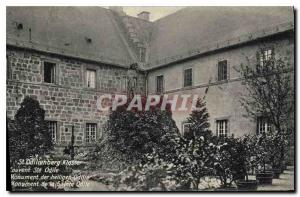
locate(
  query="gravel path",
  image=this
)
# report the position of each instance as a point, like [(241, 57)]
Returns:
[(92, 186), (284, 183)]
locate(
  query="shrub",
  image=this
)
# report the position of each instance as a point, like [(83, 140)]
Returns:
[(129, 135), (247, 154), (183, 171), (136, 134), (268, 150), (187, 161), (155, 175), (30, 135), (228, 166)]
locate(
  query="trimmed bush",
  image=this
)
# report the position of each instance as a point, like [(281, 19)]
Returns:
[(30, 135)]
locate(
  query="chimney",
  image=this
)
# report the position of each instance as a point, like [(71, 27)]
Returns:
[(144, 15), (117, 9)]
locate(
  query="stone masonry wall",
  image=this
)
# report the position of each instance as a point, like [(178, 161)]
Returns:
[(68, 101)]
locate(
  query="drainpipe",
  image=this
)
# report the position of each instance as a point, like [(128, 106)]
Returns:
[(72, 150), (146, 83)]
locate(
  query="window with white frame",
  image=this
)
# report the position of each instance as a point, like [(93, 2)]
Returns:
[(49, 72), (222, 128), (160, 84), (263, 125), (222, 70), (264, 56), (90, 132), (52, 126), (188, 77), (185, 128), (90, 78)]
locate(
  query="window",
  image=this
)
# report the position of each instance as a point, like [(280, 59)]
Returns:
[(222, 70), (222, 128), (90, 132), (52, 126), (265, 56), (90, 78), (185, 128), (263, 125), (188, 77), (49, 72), (160, 84), (142, 54)]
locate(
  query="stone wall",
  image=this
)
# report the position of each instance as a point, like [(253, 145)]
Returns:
[(222, 98), (68, 101)]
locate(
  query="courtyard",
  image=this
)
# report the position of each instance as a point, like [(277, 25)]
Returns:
[(284, 183)]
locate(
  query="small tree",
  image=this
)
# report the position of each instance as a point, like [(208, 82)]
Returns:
[(181, 161), (195, 161), (267, 150), (247, 154), (270, 92), (31, 135), (198, 149), (228, 164), (198, 122)]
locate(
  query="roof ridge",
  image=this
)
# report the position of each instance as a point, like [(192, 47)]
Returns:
[(124, 40)]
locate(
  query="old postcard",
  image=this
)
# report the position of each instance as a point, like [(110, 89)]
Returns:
[(150, 99)]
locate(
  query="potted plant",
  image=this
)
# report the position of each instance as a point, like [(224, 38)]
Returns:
[(264, 173), (247, 156), (277, 140), (227, 167)]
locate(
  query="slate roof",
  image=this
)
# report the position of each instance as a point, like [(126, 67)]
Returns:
[(194, 30), (65, 30), (142, 27), (185, 33)]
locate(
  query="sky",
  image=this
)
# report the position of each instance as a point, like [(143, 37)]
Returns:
[(155, 12)]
